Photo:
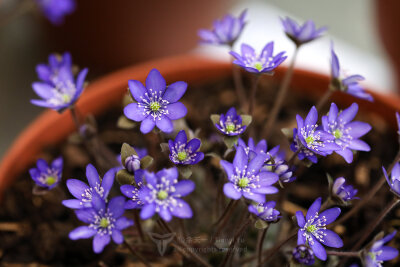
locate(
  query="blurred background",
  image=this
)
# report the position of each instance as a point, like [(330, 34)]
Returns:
[(107, 35)]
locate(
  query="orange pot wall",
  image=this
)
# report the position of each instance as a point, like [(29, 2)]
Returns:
[(51, 128)]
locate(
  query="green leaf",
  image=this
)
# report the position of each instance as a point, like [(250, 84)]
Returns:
[(231, 141), (146, 161), (126, 151), (185, 171), (125, 123), (215, 118), (246, 119), (260, 224), (125, 177), (307, 163), (330, 181)]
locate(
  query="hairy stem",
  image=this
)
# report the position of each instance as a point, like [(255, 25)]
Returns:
[(253, 92), (344, 253), (223, 219), (272, 252), (138, 224), (260, 244), (137, 254), (283, 89), (237, 79)]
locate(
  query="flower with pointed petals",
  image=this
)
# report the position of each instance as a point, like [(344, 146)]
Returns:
[(231, 123), (348, 84), (162, 194), (182, 152), (47, 176), (301, 34), (303, 255), (265, 62), (378, 253), (343, 191), (157, 104), (275, 161), (311, 139), (104, 222), (226, 31), (58, 89), (247, 178), (346, 131), (134, 192), (84, 193), (313, 230), (394, 179), (56, 10), (265, 211)]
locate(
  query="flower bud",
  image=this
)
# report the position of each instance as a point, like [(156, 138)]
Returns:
[(132, 163)]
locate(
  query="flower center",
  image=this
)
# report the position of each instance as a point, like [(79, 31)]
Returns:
[(243, 182), (230, 127), (155, 106), (372, 256), (50, 180), (161, 195), (66, 98), (182, 155), (310, 139), (104, 223), (337, 134), (258, 66), (260, 209), (311, 228)]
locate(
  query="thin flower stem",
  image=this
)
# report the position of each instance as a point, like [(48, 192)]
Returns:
[(183, 228), (260, 244), (223, 219), (138, 224), (367, 232), (252, 100), (344, 253), (235, 238), (282, 92), (293, 157), (75, 117), (185, 247), (367, 196), (272, 252), (324, 99), (327, 203), (137, 254), (237, 79)]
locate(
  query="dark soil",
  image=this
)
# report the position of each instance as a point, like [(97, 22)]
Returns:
[(34, 228)]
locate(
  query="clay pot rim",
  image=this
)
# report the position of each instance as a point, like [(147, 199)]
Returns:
[(107, 92)]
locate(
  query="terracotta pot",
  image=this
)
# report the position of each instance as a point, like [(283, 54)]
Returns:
[(113, 34), (104, 94)]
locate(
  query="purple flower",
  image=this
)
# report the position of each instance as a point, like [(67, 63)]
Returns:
[(394, 180), (246, 177), (157, 104), (231, 124), (57, 88), (303, 255), (265, 211), (313, 230), (132, 163), (134, 192), (266, 62), (346, 131), (348, 84), (343, 191), (398, 123), (182, 152), (56, 10), (47, 176), (379, 253), (84, 193), (104, 222), (275, 161), (162, 194), (301, 34), (226, 31), (310, 139)]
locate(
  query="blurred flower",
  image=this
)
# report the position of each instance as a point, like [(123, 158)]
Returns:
[(56, 10), (47, 176), (313, 230), (398, 123), (162, 194), (394, 180), (343, 191), (182, 152), (378, 253), (265, 211), (349, 84), (246, 177), (105, 222), (225, 31), (303, 255), (266, 62), (84, 193), (231, 124), (58, 89), (346, 131), (157, 104), (310, 139), (301, 34)]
